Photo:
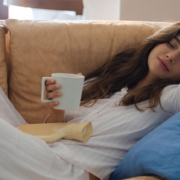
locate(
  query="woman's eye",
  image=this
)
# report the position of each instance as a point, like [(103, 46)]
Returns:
[(170, 45)]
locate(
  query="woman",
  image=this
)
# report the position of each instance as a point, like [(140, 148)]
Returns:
[(125, 99)]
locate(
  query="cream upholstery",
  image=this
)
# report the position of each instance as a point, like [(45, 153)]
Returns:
[(3, 66), (39, 48)]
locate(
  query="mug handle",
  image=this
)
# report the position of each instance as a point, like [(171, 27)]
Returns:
[(43, 90)]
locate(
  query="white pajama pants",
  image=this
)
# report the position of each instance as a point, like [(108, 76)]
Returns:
[(25, 157)]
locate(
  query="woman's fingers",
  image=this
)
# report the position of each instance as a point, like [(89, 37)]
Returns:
[(49, 82), (51, 86), (53, 104), (80, 73), (52, 94)]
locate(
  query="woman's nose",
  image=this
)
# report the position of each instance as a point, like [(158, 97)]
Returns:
[(173, 56), (169, 58)]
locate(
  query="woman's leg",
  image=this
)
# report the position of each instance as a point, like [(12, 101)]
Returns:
[(26, 157), (8, 112)]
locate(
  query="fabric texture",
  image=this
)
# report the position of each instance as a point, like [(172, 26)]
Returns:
[(25, 157), (158, 153), (115, 130)]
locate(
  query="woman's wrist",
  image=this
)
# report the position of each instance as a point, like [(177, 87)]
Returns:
[(54, 116)]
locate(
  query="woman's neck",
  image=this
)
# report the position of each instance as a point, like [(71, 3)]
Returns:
[(142, 83)]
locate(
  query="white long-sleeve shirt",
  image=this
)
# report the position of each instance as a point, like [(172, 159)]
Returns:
[(115, 130)]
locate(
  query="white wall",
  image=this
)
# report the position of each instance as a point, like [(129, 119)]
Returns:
[(22, 13), (138, 10), (150, 10), (101, 9)]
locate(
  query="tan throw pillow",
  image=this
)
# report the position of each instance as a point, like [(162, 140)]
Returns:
[(39, 48), (3, 65)]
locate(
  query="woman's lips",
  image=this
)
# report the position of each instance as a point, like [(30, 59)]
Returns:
[(163, 65)]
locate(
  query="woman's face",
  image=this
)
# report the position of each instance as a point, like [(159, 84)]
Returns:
[(164, 60)]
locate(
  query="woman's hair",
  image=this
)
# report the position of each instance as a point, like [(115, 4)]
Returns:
[(126, 69)]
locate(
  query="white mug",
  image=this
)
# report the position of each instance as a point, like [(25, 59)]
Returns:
[(71, 89)]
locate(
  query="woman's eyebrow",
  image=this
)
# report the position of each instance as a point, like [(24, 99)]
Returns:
[(178, 40)]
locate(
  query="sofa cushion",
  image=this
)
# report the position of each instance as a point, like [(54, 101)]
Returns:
[(3, 66), (39, 48), (158, 153)]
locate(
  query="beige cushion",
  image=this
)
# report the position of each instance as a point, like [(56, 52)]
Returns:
[(39, 48), (3, 66)]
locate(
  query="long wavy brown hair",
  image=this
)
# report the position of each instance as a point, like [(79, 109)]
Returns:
[(126, 69)]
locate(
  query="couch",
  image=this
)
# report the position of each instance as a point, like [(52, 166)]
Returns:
[(30, 50)]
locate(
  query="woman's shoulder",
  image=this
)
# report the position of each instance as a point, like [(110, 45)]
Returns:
[(171, 88), (170, 99), (171, 92)]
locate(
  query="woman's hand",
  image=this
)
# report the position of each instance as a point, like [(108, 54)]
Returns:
[(55, 115), (51, 86)]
